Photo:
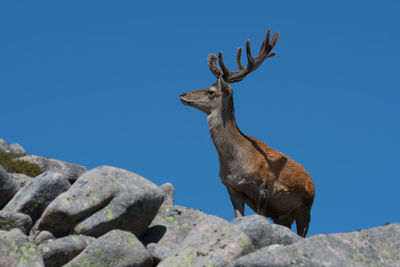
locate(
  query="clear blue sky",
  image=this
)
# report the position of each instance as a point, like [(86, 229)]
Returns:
[(97, 83)]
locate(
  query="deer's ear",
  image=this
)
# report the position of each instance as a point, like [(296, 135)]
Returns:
[(224, 86)]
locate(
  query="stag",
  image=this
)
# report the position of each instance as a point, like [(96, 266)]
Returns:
[(269, 182)]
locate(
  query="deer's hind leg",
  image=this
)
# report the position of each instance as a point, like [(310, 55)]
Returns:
[(303, 217)]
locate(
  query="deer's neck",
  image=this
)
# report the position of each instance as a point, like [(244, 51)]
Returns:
[(225, 134)]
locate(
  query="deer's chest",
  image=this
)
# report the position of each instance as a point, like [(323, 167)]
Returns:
[(236, 176)]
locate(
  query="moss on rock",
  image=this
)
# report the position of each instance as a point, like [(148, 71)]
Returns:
[(10, 163)]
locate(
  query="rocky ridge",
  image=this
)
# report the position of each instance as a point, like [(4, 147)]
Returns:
[(107, 216)]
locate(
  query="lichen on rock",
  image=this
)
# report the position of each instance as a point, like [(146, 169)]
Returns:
[(17, 250)]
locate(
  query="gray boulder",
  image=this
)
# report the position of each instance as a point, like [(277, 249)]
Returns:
[(16, 250), (57, 252), (158, 253), (8, 187), (378, 246), (116, 248), (21, 179), (11, 220), (34, 197), (262, 233), (69, 170), (213, 242), (103, 199), (171, 225), (169, 194), (40, 237), (13, 148)]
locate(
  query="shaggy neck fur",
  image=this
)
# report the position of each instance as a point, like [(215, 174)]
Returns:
[(224, 131)]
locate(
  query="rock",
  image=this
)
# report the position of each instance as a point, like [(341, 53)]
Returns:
[(378, 246), (169, 194), (34, 197), (262, 233), (16, 250), (13, 148), (171, 226), (21, 179), (157, 252), (8, 188), (69, 170), (88, 239), (116, 248), (103, 199), (10, 220), (17, 149), (42, 236), (213, 242), (57, 252)]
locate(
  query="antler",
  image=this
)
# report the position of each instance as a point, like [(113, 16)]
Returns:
[(253, 63)]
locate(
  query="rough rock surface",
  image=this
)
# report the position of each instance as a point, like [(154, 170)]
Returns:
[(42, 236), (57, 252), (214, 242), (262, 233), (157, 252), (34, 197), (169, 194), (16, 250), (13, 148), (8, 187), (21, 179), (171, 225), (103, 199), (379, 246), (116, 248), (71, 171), (10, 220)]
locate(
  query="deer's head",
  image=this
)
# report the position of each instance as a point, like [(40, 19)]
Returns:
[(214, 97), (208, 99)]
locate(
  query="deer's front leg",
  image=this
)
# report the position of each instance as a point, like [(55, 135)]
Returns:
[(238, 204), (262, 202)]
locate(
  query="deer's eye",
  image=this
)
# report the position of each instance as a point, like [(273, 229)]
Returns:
[(210, 93)]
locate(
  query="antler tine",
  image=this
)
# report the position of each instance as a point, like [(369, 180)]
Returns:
[(212, 64), (273, 43), (264, 45), (250, 59), (224, 68), (274, 39), (267, 36), (238, 56), (262, 49), (267, 45)]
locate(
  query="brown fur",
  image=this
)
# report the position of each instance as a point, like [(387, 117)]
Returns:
[(279, 180)]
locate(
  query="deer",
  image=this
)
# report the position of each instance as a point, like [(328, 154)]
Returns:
[(269, 182)]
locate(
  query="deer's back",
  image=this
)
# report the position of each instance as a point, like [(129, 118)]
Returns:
[(279, 172)]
